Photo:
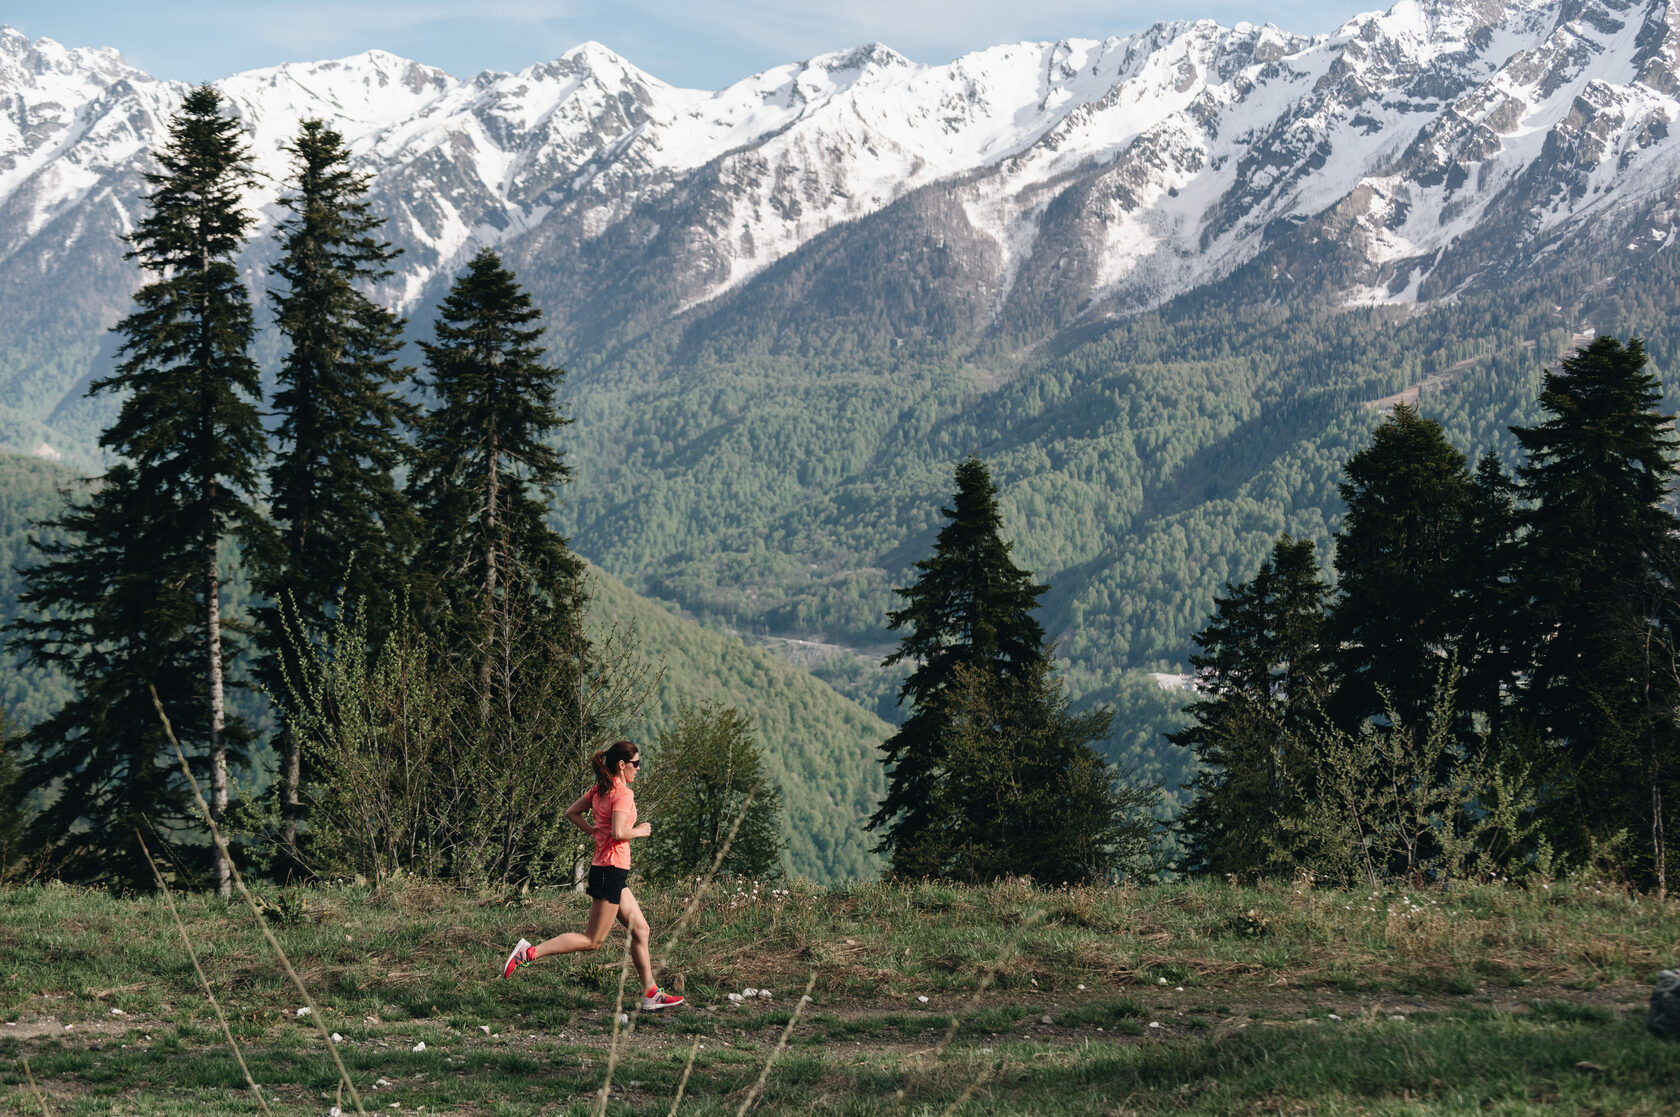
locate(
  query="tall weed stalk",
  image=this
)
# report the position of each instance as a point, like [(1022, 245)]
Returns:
[(203, 981), (251, 902)]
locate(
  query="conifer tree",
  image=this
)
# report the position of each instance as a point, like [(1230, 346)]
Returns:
[(1260, 677), (112, 604), (486, 472), (1396, 617), (190, 430), (344, 528), (970, 607), (1598, 571)]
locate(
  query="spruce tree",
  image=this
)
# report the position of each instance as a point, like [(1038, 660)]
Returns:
[(1598, 570), (486, 473), (344, 527), (113, 605), (1398, 557), (190, 432), (1260, 676), (970, 607)]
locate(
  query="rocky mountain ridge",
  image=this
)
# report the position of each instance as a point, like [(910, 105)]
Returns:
[(1405, 156)]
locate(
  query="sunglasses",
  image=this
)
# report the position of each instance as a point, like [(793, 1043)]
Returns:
[(634, 763)]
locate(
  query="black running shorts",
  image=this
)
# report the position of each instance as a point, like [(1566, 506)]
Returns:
[(607, 882)]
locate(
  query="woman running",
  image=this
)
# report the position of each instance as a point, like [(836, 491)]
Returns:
[(613, 811)]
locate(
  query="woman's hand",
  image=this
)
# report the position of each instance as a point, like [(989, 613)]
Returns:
[(642, 831)]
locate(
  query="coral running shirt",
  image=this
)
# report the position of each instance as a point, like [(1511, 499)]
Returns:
[(609, 851)]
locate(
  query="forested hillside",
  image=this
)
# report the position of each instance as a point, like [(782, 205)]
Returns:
[(820, 747), (782, 478), (29, 493)]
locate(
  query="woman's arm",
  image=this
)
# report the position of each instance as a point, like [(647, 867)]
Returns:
[(622, 831), (575, 813)]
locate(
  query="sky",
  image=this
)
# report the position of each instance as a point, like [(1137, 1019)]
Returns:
[(702, 44)]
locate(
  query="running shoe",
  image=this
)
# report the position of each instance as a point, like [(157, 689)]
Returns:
[(659, 1000), (521, 954)]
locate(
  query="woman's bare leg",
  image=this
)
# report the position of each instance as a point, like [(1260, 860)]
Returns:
[(630, 914), (594, 934)]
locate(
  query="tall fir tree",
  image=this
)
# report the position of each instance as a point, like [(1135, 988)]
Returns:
[(344, 528), (1260, 675), (486, 473), (970, 607), (1598, 569), (1398, 558), (191, 432), (112, 604)]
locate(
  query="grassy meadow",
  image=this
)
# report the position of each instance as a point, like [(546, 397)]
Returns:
[(1192, 998)]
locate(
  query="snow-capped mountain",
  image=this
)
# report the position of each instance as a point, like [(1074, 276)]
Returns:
[(1410, 153)]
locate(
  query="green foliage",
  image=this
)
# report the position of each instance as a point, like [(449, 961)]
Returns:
[(1398, 561), (189, 428), (11, 803), (421, 770), (1260, 678), (970, 608), (340, 519), (816, 746), (485, 469), (1021, 793), (1600, 580), (1397, 800), (95, 611), (705, 773), (31, 492)]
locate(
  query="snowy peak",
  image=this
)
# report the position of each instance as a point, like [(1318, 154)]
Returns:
[(1411, 152)]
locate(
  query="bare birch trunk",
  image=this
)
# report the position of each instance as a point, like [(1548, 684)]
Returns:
[(218, 711), (291, 776), (1658, 847)]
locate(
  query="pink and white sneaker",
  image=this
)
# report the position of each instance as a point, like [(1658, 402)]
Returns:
[(658, 1000), (521, 954)]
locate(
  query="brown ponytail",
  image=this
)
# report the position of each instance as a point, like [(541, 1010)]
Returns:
[(607, 760)]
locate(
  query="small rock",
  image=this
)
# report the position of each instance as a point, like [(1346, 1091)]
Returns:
[(805, 1000), (1045, 1020), (1082, 989), (1590, 1068), (303, 1011), (336, 1038), (624, 1018), (118, 1012), (736, 998), (1663, 1019), (1180, 989), (485, 1028), (334, 1112), (384, 1082), (749, 992), (67, 1027), (421, 1046), (1154, 1023), (764, 994), (1160, 981), (1397, 1018), (922, 999), (1333, 1016)]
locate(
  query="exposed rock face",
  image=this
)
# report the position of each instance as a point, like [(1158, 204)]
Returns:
[(1663, 1019)]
